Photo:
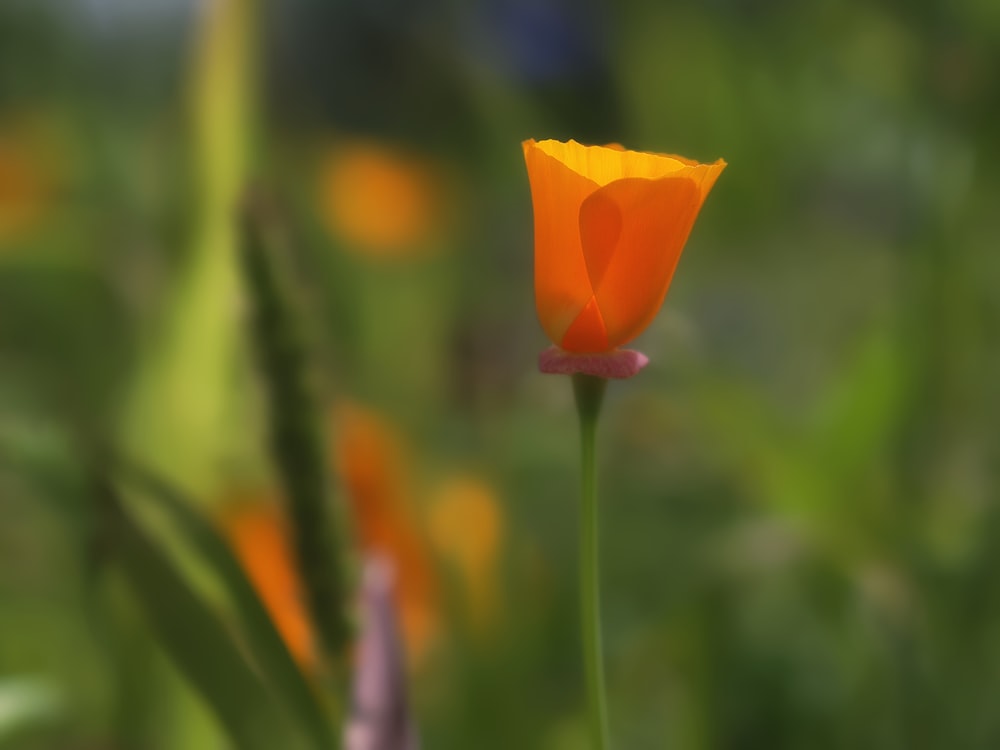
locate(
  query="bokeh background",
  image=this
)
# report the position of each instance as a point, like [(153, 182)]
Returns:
[(800, 508)]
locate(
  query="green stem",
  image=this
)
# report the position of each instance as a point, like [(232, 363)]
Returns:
[(589, 392), (296, 440)]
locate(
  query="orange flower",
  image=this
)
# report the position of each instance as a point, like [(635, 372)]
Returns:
[(384, 202), (260, 540), (610, 225), (371, 464), (24, 185)]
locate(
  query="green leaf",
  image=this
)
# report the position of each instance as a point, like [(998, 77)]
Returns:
[(265, 643), (198, 643)]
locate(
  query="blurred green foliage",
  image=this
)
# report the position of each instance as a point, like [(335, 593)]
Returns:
[(800, 494)]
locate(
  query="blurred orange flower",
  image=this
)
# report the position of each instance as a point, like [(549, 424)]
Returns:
[(259, 537), (24, 185), (380, 200), (610, 226), (466, 526), (371, 464)]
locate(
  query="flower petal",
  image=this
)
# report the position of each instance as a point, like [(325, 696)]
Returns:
[(562, 285), (656, 218), (587, 333), (605, 164)]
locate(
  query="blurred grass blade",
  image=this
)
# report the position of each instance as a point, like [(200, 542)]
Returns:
[(176, 415), (266, 645), (197, 642), (860, 412), (296, 441)]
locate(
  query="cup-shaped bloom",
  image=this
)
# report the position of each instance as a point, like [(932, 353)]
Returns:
[(610, 226)]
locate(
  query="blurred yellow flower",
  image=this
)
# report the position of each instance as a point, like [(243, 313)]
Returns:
[(466, 526), (381, 201), (259, 537), (370, 461)]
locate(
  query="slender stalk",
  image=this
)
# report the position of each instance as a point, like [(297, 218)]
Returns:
[(296, 440), (589, 392)]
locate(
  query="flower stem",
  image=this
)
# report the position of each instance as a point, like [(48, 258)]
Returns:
[(297, 442), (589, 392)]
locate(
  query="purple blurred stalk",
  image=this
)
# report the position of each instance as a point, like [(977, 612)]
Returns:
[(380, 717)]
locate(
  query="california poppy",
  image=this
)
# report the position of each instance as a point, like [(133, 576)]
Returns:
[(383, 202), (259, 538), (27, 178), (610, 225), (370, 456)]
